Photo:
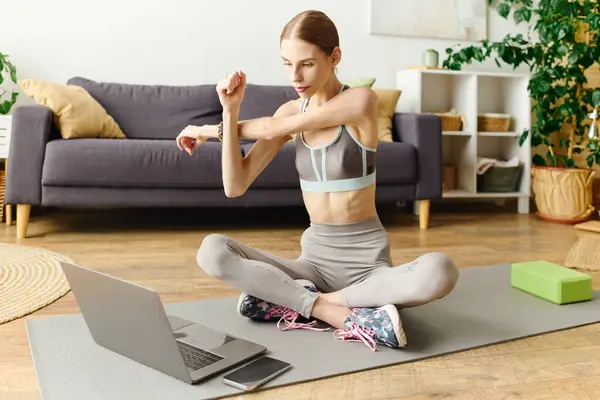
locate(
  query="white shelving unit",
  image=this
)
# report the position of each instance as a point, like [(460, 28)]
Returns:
[(471, 93), (5, 126), (5, 130)]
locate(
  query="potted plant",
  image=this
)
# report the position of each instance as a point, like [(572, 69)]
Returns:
[(7, 98), (560, 47)]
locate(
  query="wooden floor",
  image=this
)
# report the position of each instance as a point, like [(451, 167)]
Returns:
[(159, 251)]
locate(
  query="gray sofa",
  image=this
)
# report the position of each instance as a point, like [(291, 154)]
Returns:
[(148, 170)]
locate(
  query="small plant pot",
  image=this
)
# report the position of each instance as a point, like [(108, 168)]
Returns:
[(563, 195)]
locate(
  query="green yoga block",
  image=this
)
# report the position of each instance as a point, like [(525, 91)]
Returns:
[(551, 282)]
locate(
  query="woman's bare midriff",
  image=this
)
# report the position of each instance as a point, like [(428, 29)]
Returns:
[(341, 207)]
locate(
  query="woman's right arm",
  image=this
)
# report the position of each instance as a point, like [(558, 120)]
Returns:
[(232, 165), (239, 173)]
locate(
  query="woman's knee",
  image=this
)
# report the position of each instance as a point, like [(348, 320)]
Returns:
[(441, 272), (212, 255)]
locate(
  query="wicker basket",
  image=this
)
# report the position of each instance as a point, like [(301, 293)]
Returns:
[(500, 179), (448, 178), (489, 122), (450, 122)]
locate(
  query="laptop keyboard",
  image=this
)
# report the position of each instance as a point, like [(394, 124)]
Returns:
[(196, 358)]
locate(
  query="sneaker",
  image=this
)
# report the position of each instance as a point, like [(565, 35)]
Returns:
[(373, 326), (261, 310)]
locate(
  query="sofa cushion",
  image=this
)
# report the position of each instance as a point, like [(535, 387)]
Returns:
[(76, 113), (264, 100), (131, 163), (155, 111), (396, 164), (386, 107)]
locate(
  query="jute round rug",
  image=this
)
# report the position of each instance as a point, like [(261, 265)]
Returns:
[(30, 279)]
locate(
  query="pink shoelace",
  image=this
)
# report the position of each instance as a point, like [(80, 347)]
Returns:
[(289, 318), (357, 333)]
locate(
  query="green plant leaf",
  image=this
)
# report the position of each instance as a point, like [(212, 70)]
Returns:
[(503, 9), (596, 98), (590, 160), (538, 160), (518, 16), (573, 58), (478, 54), (563, 142), (563, 49), (523, 137), (570, 163), (544, 86), (552, 158), (562, 33), (5, 107), (561, 90)]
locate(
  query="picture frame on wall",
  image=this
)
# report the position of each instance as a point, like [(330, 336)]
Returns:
[(438, 19)]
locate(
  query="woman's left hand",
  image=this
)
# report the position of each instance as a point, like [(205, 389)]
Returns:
[(193, 136)]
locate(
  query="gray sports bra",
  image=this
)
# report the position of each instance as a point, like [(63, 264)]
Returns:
[(340, 165)]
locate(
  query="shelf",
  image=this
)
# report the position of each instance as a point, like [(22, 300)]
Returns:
[(484, 134), (491, 74), (499, 134), (456, 133), (457, 193), (458, 151), (472, 93), (505, 95), (483, 195), (5, 127), (501, 147)]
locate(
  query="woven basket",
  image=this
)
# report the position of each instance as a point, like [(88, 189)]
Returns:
[(585, 253), (450, 122), (493, 122)]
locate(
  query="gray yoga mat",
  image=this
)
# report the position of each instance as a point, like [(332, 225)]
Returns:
[(483, 309)]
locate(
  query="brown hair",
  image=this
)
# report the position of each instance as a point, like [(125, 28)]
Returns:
[(313, 27)]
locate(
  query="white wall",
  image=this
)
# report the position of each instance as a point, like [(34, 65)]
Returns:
[(185, 42)]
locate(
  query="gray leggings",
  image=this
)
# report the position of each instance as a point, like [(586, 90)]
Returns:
[(352, 258)]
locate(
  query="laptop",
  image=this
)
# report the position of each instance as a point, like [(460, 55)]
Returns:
[(130, 320)]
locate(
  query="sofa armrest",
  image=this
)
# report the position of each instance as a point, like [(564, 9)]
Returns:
[(31, 130), (424, 131)]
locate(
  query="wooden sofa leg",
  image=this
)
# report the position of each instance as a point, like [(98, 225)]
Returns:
[(424, 213), (9, 214), (22, 220)]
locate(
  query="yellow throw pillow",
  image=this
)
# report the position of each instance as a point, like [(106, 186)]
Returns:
[(76, 113), (361, 82), (388, 98)]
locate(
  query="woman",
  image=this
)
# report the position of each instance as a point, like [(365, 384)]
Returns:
[(344, 275)]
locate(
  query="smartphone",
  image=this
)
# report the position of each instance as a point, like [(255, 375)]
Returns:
[(256, 373)]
